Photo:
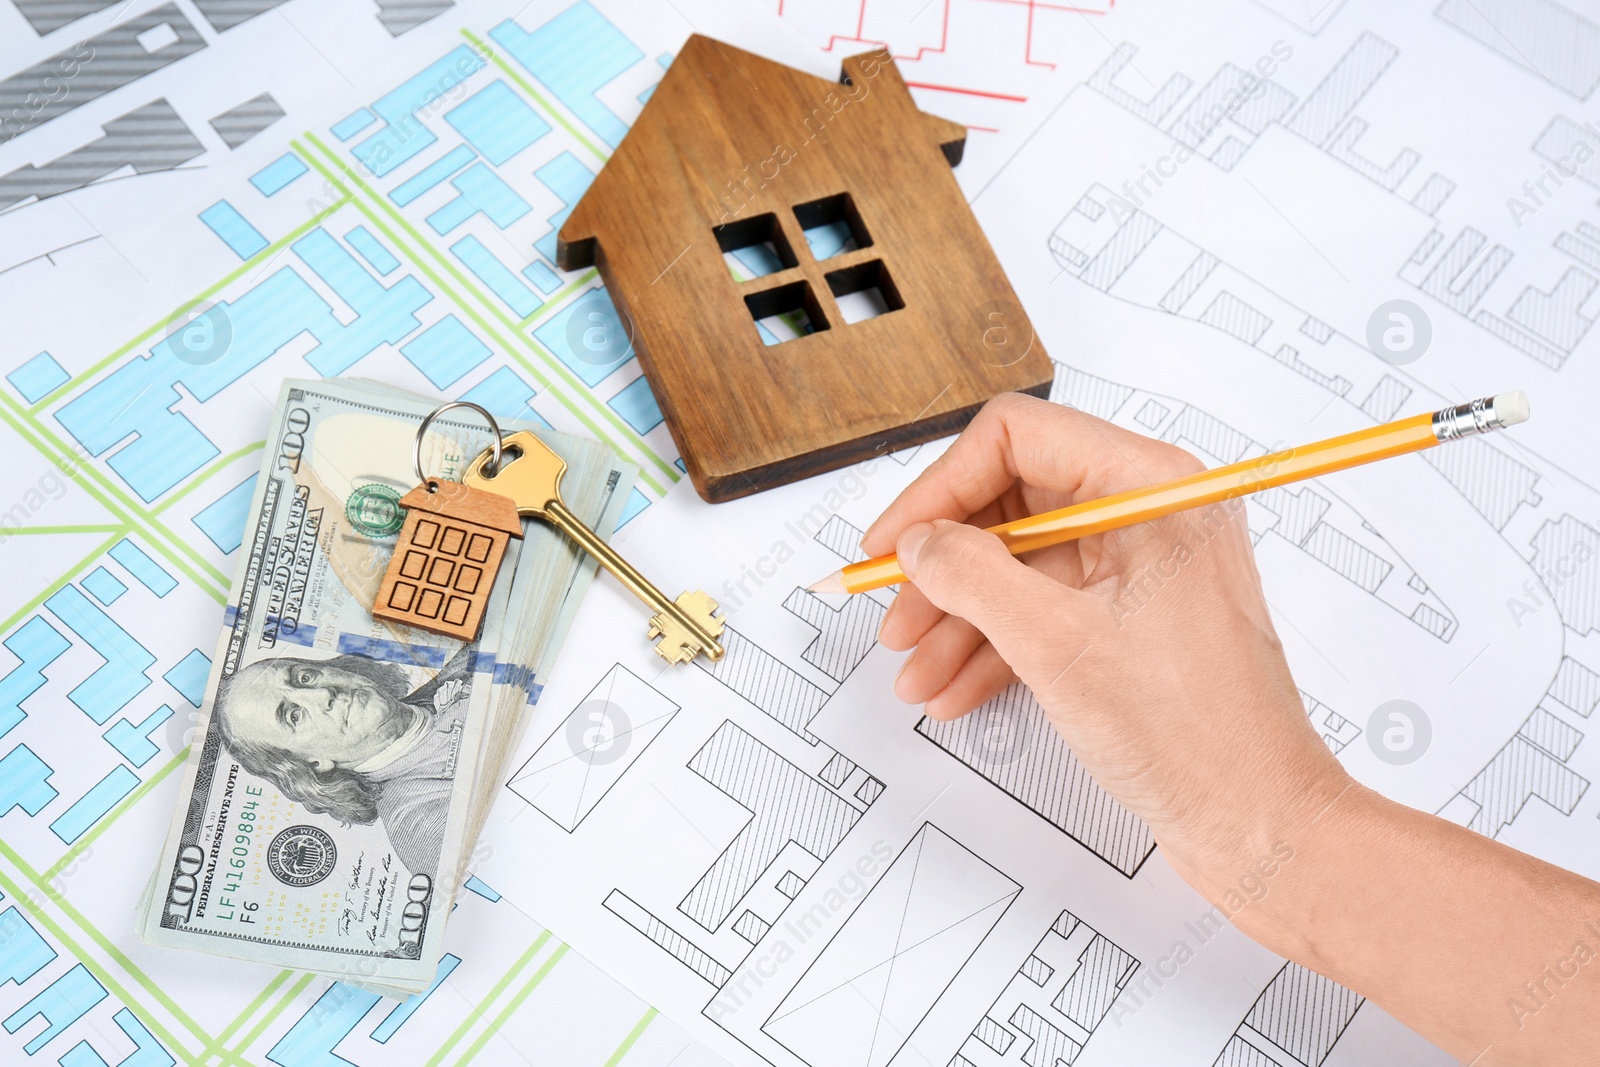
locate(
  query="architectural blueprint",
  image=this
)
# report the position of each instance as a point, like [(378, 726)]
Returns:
[(1211, 212)]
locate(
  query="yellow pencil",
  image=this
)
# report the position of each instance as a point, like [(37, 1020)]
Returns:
[(1221, 483)]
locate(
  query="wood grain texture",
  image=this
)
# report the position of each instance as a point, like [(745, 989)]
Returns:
[(729, 139), (446, 558)]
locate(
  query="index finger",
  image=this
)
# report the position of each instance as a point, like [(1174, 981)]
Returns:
[(1017, 436)]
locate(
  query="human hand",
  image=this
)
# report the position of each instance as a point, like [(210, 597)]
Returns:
[(1151, 648)]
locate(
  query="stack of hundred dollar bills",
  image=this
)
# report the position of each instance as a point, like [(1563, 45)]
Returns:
[(344, 766)]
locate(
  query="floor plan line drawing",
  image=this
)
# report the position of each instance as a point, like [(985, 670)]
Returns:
[(1500, 486), (1103, 239), (1010, 742), (767, 682), (595, 745), (1546, 38), (1053, 1003), (787, 806), (1311, 518), (1533, 763), (1295, 1022), (1545, 324), (888, 964), (795, 822), (226, 161), (1311, 18)]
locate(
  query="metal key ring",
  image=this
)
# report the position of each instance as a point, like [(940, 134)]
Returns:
[(416, 445)]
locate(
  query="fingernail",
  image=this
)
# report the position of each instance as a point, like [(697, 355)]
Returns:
[(899, 675), (910, 546)]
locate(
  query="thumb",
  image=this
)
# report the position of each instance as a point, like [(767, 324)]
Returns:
[(967, 572)]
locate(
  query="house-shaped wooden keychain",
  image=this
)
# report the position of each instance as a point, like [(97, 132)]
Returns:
[(845, 189), (446, 558)]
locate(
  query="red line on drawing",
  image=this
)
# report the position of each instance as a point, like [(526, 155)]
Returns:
[(967, 92)]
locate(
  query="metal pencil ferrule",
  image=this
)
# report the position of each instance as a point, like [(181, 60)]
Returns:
[(1463, 420)]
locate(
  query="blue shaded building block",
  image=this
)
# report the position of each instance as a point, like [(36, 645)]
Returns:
[(497, 122), (506, 395), (311, 1040), (483, 889), (829, 239), (121, 678), (223, 520), (386, 315), (37, 644), (189, 676), (133, 742), (279, 173), (234, 229), (90, 808), (575, 54), (147, 1050), (406, 1008), (758, 261), (637, 502), (38, 377), (587, 335), (23, 953), (404, 135), (432, 174), (481, 190), (104, 586), (445, 352), (24, 782), (496, 275), (569, 180), (637, 405), (543, 278), (664, 60), (143, 568), (353, 124), (62, 1003), (138, 396), (372, 250)]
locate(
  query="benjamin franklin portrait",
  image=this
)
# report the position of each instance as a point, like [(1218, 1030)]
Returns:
[(347, 737)]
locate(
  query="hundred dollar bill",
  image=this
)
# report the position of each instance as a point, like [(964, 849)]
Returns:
[(344, 765)]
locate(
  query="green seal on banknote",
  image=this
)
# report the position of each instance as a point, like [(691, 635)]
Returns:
[(301, 855), (374, 509)]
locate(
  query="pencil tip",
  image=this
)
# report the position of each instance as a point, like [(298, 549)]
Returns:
[(833, 583)]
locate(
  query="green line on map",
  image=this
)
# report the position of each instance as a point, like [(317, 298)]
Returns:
[(249, 1010), (270, 1017), (633, 1036), (62, 579), (512, 1005), (494, 993)]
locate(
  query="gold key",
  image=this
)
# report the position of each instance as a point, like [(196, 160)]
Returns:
[(529, 474)]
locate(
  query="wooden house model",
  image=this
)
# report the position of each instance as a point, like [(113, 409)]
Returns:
[(735, 154)]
